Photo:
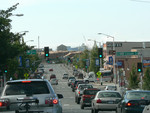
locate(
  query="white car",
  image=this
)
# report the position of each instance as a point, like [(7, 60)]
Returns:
[(111, 87), (31, 95)]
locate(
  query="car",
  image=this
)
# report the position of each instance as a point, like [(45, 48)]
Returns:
[(87, 96), (54, 81), (51, 69), (111, 87), (73, 86), (52, 76), (31, 95), (79, 91), (65, 76), (105, 101), (71, 80), (134, 101), (80, 76)]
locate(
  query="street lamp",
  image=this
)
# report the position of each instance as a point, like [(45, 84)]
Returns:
[(17, 14), (95, 41), (29, 41), (113, 54)]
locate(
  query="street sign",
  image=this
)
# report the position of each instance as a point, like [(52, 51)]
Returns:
[(110, 60), (98, 74), (97, 61), (26, 75), (31, 52), (126, 53)]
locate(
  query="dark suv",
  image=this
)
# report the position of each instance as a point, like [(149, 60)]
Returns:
[(87, 96), (28, 96), (75, 83)]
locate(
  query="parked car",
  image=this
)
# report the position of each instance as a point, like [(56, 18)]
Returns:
[(134, 101), (79, 91), (54, 81), (65, 76), (106, 101), (111, 87), (52, 76), (87, 96), (18, 95)]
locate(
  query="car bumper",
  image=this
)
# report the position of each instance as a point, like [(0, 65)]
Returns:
[(106, 106), (41, 109), (133, 110)]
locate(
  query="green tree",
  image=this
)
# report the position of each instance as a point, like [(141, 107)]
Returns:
[(82, 59), (11, 44), (133, 78), (93, 56), (146, 79)]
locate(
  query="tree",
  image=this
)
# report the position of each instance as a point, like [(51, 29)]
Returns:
[(146, 79), (93, 56), (11, 44), (133, 78)]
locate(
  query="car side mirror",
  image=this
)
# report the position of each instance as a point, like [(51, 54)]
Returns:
[(60, 96)]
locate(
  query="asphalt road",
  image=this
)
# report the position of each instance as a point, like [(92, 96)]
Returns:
[(68, 102)]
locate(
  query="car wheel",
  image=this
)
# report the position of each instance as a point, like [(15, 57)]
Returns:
[(82, 106), (75, 99), (78, 101), (95, 111), (16, 111), (92, 111)]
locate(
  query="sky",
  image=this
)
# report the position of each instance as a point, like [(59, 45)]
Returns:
[(74, 22)]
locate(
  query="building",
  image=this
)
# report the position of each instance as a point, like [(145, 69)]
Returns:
[(126, 55)]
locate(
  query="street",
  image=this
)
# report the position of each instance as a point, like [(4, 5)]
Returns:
[(68, 102)]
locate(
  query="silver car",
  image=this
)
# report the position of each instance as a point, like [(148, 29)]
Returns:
[(31, 95), (106, 101)]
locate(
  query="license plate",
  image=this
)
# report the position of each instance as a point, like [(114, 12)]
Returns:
[(142, 105), (110, 102)]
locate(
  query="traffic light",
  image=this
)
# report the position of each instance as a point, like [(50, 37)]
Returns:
[(5, 70), (139, 67), (100, 52), (46, 50)]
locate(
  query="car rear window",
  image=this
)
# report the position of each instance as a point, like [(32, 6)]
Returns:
[(90, 92), (85, 86), (138, 95), (109, 94), (33, 87)]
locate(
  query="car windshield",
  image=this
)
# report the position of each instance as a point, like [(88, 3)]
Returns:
[(19, 88), (138, 95), (109, 94), (90, 92)]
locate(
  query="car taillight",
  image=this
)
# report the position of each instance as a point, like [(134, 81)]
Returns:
[(130, 104), (26, 81), (98, 101), (4, 102), (79, 92), (51, 101), (55, 101)]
